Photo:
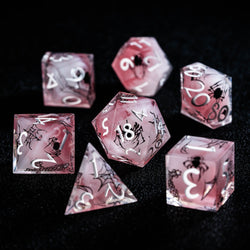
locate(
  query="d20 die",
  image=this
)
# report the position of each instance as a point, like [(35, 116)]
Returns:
[(206, 95), (142, 66), (44, 144), (97, 186), (200, 173), (68, 79), (131, 129)]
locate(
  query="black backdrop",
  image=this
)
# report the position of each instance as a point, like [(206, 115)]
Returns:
[(32, 206)]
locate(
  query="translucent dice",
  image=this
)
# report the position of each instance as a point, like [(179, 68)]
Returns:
[(206, 95), (97, 186), (131, 129), (200, 173), (68, 79), (44, 144), (142, 66)]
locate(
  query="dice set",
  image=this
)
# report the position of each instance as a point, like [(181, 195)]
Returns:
[(131, 129)]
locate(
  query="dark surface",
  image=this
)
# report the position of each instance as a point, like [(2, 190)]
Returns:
[(32, 206)]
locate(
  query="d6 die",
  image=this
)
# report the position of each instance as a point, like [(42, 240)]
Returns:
[(68, 79), (44, 143), (131, 129), (206, 95), (200, 173), (142, 66)]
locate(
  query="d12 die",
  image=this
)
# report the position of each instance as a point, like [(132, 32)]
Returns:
[(206, 95), (68, 79), (131, 129), (142, 66), (44, 144), (200, 173)]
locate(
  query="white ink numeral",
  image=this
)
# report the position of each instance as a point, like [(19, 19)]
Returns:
[(105, 127), (190, 184), (77, 74), (119, 197), (95, 167), (50, 159), (52, 83), (20, 141), (129, 134), (83, 202)]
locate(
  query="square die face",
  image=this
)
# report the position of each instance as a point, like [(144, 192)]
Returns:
[(68, 79), (44, 144), (206, 95), (200, 173)]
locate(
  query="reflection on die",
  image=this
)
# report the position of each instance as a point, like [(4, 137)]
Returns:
[(131, 129), (68, 79), (200, 173), (142, 66), (206, 95)]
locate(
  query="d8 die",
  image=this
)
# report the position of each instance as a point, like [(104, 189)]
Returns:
[(131, 129), (68, 79), (206, 95), (200, 173), (44, 144), (142, 66)]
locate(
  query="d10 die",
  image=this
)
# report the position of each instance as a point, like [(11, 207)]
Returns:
[(142, 66), (131, 129), (200, 173), (44, 144), (68, 79), (206, 95)]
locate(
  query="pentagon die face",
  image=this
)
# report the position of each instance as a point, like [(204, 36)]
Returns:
[(44, 144), (206, 95), (68, 79), (131, 129), (142, 66), (200, 173), (97, 186)]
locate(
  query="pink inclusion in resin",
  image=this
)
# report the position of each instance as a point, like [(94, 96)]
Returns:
[(200, 173), (142, 66), (131, 129), (97, 186), (206, 95), (68, 79), (44, 144)]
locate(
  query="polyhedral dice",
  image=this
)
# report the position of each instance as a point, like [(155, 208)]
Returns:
[(44, 144), (68, 79), (97, 186), (200, 173), (142, 66), (131, 129), (206, 95)]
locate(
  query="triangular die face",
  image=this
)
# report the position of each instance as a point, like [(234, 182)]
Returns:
[(97, 186)]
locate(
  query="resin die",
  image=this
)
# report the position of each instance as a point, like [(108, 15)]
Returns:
[(44, 144), (68, 79), (200, 173), (131, 129), (206, 95), (97, 186), (142, 66)]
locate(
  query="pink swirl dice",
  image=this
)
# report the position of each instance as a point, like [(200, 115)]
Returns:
[(200, 173), (44, 144), (206, 95), (97, 186), (142, 66), (131, 129), (68, 79)]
